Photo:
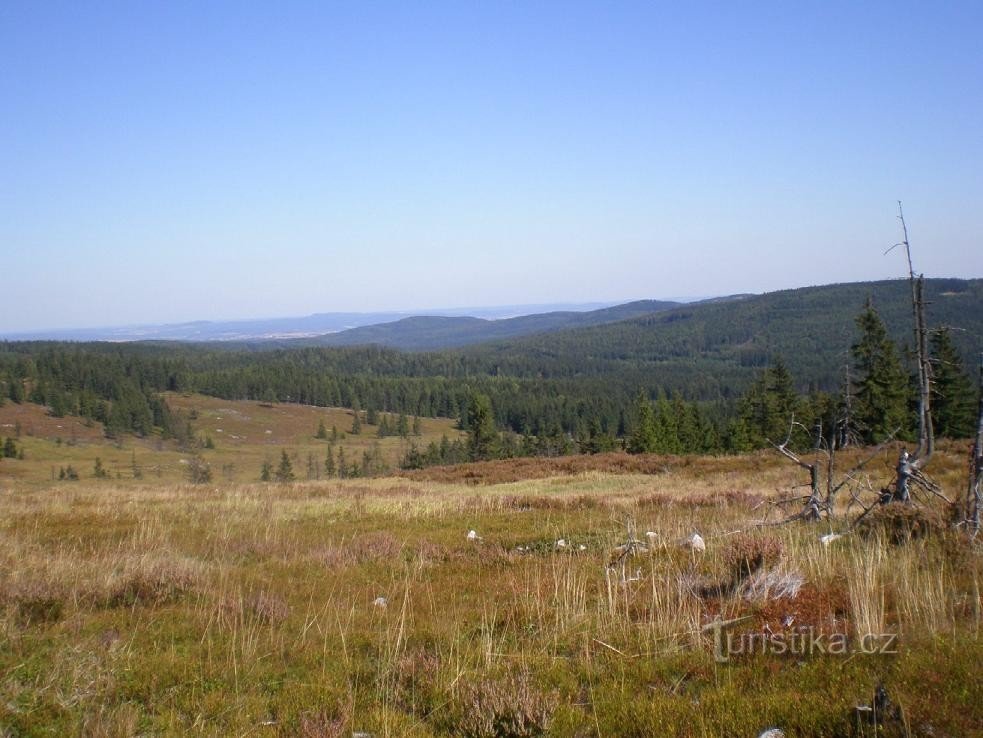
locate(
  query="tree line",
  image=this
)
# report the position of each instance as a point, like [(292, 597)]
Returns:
[(633, 405)]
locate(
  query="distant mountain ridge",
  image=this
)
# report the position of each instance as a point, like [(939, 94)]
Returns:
[(434, 332), (270, 329)]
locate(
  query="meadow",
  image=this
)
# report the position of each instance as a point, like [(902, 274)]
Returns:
[(151, 606), (234, 437)]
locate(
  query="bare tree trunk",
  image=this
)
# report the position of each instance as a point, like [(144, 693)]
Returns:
[(846, 425), (974, 494), (909, 465), (926, 433)]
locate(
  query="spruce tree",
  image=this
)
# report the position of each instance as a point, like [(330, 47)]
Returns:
[(643, 438), (953, 397), (738, 437), (666, 428), (881, 392), (482, 438), (285, 471), (357, 417), (769, 405), (15, 388), (342, 464)]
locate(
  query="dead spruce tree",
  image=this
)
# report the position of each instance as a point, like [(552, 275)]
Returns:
[(909, 468)]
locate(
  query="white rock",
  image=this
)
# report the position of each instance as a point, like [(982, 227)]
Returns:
[(695, 542), (561, 543), (581, 547), (829, 538), (652, 536), (473, 535), (380, 602), (773, 733)]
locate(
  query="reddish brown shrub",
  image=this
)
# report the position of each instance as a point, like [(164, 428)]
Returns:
[(747, 553)]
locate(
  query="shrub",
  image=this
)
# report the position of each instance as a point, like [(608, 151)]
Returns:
[(746, 554), (514, 708), (150, 583), (900, 523), (268, 608), (38, 602)]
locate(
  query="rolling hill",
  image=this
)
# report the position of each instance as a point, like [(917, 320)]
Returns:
[(433, 332), (812, 328)]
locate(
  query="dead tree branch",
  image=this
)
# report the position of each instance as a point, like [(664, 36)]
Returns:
[(813, 506)]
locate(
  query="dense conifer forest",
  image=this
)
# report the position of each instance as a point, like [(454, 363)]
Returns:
[(708, 378)]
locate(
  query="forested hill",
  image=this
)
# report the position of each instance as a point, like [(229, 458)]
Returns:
[(423, 333), (811, 328), (573, 383)]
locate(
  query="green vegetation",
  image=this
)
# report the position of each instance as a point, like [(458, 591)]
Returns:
[(721, 375), (495, 598), (882, 389), (953, 409), (333, 608), (428, 333)]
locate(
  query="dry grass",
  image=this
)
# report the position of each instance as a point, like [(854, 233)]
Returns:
[(135, 608), (244, 435)]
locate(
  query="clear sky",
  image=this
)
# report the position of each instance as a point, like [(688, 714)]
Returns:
[(166, 161)]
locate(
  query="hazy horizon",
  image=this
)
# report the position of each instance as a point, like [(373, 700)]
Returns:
[(171, 163), (503, 311), (488, 312)]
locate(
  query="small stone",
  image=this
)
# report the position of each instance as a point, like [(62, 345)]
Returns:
[(772, 733), (473, 535), (380, 602), (695, 542)]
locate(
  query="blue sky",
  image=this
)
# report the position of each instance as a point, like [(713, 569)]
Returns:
[(161, 162)]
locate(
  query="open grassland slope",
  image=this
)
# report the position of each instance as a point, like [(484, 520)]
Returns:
[(327, 608), (234, 437)]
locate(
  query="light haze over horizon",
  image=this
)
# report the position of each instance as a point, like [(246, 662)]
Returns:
[(169, 163)]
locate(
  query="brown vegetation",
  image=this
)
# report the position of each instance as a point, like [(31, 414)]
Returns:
[(331, 608)]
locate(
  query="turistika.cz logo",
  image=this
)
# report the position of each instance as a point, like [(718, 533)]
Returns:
[(803, 642)]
